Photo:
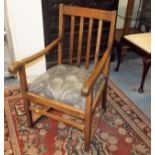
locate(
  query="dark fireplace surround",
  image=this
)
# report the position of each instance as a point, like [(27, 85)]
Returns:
[(50, 22)]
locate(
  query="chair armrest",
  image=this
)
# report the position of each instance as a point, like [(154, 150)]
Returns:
[(14, 67), (89, 83)]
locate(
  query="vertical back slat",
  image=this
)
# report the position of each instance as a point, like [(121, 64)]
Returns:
[(80, 40), (99, 34), (71, 40), (60, 33), (89, 42)]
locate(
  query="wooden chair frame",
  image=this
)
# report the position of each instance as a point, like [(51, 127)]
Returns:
[(87, 89)]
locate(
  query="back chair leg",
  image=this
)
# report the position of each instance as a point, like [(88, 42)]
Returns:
[(118, 50), (104, 99)]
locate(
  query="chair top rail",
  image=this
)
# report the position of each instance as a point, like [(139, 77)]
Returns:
[(88, 12)]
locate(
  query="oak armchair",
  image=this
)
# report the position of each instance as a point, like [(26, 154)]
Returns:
[(69, 88)]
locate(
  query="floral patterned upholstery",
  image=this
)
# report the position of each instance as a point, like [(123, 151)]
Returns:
[(63, 83)]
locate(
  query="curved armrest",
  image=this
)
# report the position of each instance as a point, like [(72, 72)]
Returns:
[(13, 68), (89, 83)]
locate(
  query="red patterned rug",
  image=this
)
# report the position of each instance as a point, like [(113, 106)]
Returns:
[(124, 130)]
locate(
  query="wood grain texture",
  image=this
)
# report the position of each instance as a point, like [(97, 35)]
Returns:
[(101, 66), (98, 42), (89, 42), (71, 40), (86, 12), (60, 33), (24, 89), (88, 120), (80, 40), (128, 16), (63, 107), (57, 118), (14, 67)]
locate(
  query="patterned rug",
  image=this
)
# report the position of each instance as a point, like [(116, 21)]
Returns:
[(124, 130)]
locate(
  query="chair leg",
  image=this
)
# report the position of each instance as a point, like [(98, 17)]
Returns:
[(88, 121), (118, 49), (23, 83), (87, 135), (87, 143), (146, 66), (104, 99), (28, 112), (112, 58)]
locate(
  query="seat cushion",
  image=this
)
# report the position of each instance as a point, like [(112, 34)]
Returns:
[(63, 83), (142, 40)]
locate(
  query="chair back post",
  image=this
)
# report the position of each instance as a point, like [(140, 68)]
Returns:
[(128, 16), (60, 33), (106, 68), (110, 43), (112, 29)]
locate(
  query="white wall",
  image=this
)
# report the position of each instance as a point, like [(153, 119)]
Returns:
[(26, 27)]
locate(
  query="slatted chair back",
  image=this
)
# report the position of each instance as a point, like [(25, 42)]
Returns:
[(93, 16)]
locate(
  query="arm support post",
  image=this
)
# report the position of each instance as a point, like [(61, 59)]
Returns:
[(89, 83)]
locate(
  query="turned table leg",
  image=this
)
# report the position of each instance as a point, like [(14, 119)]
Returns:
[(146, 66)]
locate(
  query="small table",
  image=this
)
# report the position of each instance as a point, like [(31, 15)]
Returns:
[(141, 44)]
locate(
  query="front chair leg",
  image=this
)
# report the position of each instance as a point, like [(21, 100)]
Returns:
[(28, 113), (88, 122), (87, 136), (23, 83)]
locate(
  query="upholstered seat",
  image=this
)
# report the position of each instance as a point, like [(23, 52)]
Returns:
[(63, 83), (142, 40)]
